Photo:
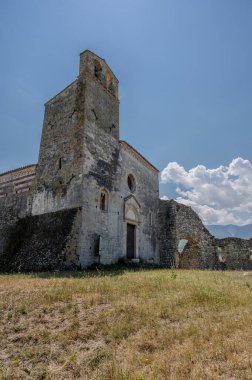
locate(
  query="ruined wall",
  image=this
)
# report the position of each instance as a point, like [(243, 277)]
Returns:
[(199, 251), (42, 242), (185, 240), (167, 233), (234, 253)]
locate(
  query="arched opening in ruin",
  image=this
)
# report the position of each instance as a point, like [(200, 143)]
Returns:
[(188, 253)]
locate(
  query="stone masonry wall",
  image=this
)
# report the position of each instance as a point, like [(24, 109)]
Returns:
[(167, 233), (199, 251), (59, 170), (42, 242), (185, 243), (234, 253), (12, 208)]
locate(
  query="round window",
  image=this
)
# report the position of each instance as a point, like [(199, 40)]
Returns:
[(131, 183)]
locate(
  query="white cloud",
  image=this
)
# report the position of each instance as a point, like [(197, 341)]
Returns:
[(164, 198), (220, 196)]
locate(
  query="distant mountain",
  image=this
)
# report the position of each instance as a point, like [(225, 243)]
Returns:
[(230, 230)]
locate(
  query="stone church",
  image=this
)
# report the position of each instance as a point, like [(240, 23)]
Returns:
[(94, 199)]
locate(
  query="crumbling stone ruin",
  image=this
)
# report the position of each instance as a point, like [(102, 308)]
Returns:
[(92, 198), (184, 242)]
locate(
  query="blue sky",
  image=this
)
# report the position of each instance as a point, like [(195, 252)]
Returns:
[(184, 68)]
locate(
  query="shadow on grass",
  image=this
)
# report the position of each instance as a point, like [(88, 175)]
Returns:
[(93, 271)]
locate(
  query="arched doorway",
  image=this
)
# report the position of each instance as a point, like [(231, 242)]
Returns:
[(132, 224)]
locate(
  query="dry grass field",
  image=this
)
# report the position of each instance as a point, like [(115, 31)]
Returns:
[(126, 325)]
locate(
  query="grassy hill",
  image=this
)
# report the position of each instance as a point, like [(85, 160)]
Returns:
[(126, 325)]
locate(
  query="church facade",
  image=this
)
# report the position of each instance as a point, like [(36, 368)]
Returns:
[(83, 165)]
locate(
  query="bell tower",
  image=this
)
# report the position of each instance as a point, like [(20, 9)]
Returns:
[(101, 90), (80, 138)]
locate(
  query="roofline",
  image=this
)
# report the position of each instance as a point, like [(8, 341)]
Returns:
[(17, 169), (52, 98), (139, 154), (92, 53)]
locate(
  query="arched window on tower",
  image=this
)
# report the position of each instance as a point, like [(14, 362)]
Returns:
[(109, 82), (131, 183), (97, 69), (104, 201)]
